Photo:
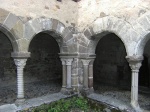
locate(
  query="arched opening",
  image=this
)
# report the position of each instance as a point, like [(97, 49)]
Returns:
[(144, 79), (7, 71), (111, 71), (43, 72)]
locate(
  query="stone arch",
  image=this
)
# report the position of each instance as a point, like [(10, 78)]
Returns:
[(55, 28), (143, 27), (110, 24), (9, 26)]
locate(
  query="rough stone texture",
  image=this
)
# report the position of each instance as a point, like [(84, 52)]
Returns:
[(77, 28), (49, 8)]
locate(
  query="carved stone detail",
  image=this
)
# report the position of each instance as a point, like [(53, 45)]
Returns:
[(20, 63)]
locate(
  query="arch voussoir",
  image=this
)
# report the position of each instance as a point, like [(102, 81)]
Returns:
[(143, 27), (110, 24)]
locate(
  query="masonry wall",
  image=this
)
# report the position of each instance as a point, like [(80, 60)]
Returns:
[(79, 14), (65, 11), (127, 10), (110, 65)]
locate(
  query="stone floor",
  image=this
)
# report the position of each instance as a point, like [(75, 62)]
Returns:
[(34, 102), (119, 97), (32, 90)]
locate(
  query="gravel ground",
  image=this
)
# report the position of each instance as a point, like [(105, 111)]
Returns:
[(32, 90), (123, 95)]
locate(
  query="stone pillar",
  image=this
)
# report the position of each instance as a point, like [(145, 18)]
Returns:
[(85, 73), (64, 77), (69, 63), (20, 63), (135, 64), (74, 77), (90, 83), (20, 59)]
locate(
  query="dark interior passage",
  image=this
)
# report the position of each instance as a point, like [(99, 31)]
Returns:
[(7, 71), (110, 66), (144, 73), (43, 72)]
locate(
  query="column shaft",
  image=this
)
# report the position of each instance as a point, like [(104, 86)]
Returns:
[(91, 76), (135, 64), (69, 63), (134, 88), (64, 78), (20, 63), (86, 73)]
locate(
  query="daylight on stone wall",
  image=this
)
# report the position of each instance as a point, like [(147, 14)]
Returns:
[(52, 51)]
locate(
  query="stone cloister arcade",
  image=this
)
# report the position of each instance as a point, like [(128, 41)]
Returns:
[(76, 51)]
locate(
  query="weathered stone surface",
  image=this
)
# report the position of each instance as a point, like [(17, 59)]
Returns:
[(68, 37), (60, 28), (3, 15), (87, 33), (145, 23), (23, 45), (8, 22), (29, 32), (18, 30), (65, 32), (55, 24)]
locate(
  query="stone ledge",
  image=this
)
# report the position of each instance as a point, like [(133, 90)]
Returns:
[(20, 54)]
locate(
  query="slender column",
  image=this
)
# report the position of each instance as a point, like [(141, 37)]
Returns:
[(20, 63), (85, 73), (91, 75), (64, 78), (74, 77), (135, 64), (69, 63)]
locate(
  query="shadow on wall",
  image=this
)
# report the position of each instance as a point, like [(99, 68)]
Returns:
[(110, 65), (144, 74), (43, 72), (7, 72)]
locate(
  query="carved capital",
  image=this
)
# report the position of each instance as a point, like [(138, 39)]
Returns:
[(135, 62), (91, 62), (63, 61), (20, 62), (86, 62), (69, 61)]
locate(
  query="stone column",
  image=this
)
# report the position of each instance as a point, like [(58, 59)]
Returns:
[(74, 77), (20, 59), (135, 64), (64, 77), (85, 73), (69, 63), (91, 76), (20, 63)]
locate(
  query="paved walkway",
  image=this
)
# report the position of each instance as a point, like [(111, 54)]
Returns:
[(32, 102), (114, 102)]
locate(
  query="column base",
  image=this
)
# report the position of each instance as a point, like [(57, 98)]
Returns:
[(136, 106), (20, 101), (86, 91), (63, 90), (91, 90), (67, 91)]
